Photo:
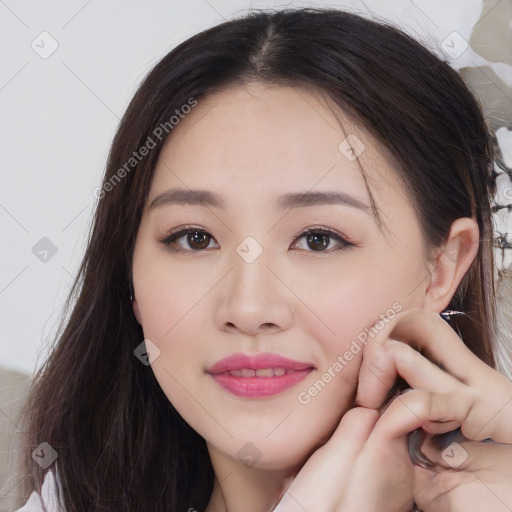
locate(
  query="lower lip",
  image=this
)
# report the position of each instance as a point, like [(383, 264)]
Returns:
[(260, 386)]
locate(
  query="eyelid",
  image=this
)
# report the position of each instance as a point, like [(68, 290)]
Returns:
[(180, 232), (184, 230), (340, 237)]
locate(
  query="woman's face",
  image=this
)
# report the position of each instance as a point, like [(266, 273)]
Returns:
[(250, 282)]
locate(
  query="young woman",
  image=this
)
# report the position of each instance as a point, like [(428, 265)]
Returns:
[(291, 200)]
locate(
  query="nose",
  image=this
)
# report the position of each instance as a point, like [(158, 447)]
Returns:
[(254, 297)]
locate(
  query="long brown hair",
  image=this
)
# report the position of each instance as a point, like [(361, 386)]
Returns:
[(121, 444)]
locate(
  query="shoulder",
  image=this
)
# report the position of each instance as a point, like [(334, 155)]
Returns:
[(49, 497)]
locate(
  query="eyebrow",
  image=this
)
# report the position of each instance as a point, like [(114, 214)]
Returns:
[(291, 200)]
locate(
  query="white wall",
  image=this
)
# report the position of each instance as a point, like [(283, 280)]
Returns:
[(59, 115)]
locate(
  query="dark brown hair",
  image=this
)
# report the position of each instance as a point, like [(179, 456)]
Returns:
[(121, 444)]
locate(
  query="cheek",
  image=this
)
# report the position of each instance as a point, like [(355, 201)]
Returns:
[(340, 300), (167, 293), (339, 311)]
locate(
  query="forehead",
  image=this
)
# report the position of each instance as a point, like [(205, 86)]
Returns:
[(264, 138)]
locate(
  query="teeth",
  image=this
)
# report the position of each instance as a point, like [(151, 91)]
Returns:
[(263, 372)]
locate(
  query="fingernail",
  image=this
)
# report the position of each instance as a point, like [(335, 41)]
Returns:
[(415, 440)]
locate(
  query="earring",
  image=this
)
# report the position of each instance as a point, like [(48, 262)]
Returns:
[(448, 313)]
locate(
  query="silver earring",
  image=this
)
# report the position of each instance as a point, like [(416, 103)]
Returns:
[(448, 313)]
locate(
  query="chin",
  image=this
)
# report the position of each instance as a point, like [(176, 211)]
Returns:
[(284, 453)]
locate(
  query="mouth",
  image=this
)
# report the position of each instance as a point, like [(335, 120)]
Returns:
[(258, 376), (261, 372)]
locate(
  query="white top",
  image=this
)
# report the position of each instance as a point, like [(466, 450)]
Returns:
[(49, 494)]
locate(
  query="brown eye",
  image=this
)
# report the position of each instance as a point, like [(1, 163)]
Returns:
[(319, 239), (197, 240)]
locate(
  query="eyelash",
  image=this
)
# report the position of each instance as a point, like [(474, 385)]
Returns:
[(170, 239)]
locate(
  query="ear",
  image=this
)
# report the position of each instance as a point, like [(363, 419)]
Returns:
[(136, 311), (453, 261)]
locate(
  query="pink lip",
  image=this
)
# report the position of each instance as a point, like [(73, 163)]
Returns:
[(266, 360), (258, 386)]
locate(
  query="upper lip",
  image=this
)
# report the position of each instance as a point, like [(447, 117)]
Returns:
[(256, 362)]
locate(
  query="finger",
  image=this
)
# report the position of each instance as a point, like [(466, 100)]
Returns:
[(455, 451), (372, 486), (473, 474), (492, 391), (489, 406), (319, 484), (436, 413), (384, 362), (460, 490), (483, 420), (427, 331), (491, 419)]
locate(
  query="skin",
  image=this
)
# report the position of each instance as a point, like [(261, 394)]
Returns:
[(250, 145), (351, 471)]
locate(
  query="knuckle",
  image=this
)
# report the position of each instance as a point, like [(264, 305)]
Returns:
[(404, 353), (377, 359), (357, 415), (450, 480), (378, 365), (419, 402)]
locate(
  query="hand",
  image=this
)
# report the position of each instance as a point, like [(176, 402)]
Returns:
[(461, 392), (351, 472), (468, 476), (365, 466)]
